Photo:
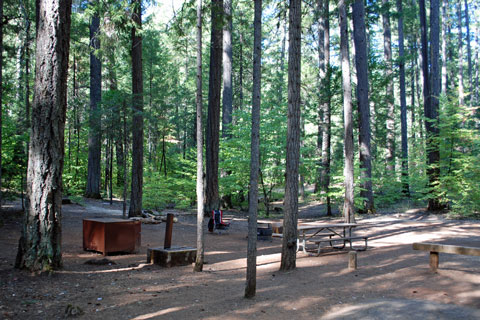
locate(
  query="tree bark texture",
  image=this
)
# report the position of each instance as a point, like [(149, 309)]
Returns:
[(348, 205), (212, 200), (199, 260), (40, 243), (387, 49), (431, 116), (403, 100), (461, 93), (227, 98), (289, 241), (251, 284), (94, 135), (361, 63), (135, 209), (327, 114)]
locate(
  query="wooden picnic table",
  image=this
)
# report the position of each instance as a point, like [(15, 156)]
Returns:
[(327, 232)]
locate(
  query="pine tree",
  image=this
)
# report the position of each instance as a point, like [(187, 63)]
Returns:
[(40, 243), (135, 209), (348, 205), (251, 285), (212, 200), (200, 187), (361, 62), (94, 138), (289, 243)]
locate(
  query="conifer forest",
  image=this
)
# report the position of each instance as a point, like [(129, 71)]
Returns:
[(255, 106)]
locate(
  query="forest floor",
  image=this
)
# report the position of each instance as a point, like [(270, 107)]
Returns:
[(391, 278)]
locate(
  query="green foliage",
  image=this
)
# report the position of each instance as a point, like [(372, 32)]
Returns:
[(460, 161), (169, 108), (177, 189)]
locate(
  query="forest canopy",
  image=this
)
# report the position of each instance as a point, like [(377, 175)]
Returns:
[(403, 137)]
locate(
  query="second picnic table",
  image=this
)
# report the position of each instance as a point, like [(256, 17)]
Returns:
[(327, 232)]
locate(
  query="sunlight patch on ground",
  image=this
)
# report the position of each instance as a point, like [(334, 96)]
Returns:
[(408, 238), (470, 295), (466, 276), (210, 253), (264, 262), (157, 313), (140, 266)]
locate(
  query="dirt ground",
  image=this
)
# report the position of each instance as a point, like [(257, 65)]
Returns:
[(132, 289)]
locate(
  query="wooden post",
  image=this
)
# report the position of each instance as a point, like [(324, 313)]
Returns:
[(434, 261), (352, 260), (168, 231)]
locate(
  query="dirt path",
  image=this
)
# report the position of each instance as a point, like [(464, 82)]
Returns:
[(131, 289)]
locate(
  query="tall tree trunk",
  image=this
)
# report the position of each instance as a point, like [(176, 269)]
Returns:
[(361, 63), (469, 52), (251, 284), (321, 92), (199, 133), (348, 205), (431, 116), (403, 100), (212, 200), (387, 49), (40, 243), (94, 134), (289, 243), (227, 98), (327, 114), (425, 60), (444, 45), (461, 94), (119, 152), (135, 209)]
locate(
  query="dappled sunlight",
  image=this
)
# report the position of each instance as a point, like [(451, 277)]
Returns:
[(412, 234), (388, 269), (140, 266), (211, 253), (470, 297), (264, 262), (157, 313)]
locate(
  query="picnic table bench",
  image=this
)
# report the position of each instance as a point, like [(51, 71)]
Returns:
[(331, 240), (332, 233), (436, 248)]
